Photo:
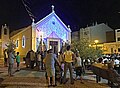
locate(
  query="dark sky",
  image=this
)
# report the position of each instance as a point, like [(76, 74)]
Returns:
[(76, 13)]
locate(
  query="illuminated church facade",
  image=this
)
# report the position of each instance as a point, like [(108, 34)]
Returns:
[(50, 31)]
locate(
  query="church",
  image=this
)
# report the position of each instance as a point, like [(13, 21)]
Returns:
[(50, 32)]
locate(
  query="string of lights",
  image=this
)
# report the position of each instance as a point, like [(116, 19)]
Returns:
[(28, 9)]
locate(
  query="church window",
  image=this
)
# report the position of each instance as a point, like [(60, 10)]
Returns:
[(118, 38), (53, 22), (23, 41), (5, 31), (111, 50), (118, 49), (16, 43), (86, 33)]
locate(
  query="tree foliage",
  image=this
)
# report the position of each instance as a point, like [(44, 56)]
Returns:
[(10, 46), (85, 50)]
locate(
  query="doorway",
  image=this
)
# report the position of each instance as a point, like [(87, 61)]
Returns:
[(53, 43), (54, 46)]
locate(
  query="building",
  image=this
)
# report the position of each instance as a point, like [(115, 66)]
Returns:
[(113, 47), (76, 35), (4, 38), (49, 32), (100, 32), (103, 33)]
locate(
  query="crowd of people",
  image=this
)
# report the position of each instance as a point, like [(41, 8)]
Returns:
[(114, 58), (65, 60), (35, 59), (50, 62)]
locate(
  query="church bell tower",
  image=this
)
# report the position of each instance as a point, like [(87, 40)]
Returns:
[(4, 37)]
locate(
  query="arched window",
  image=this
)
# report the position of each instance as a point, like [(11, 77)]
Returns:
[(17, 43), (23, 41)]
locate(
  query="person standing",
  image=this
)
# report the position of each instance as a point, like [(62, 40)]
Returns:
[(50, 67), (116, 65), (43, 54), (68, 60), (78, 67), (11, 58), (32, 59), (39, 61), (60, 57), (27, 60), (113, 74), (5, 58), (18, 61)]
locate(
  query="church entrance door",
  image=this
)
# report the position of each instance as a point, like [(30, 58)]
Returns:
[(54, 46), (53, 43)]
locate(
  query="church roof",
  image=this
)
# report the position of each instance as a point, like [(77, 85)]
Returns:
[(45, 19), (19, 31), (101, 26), (42, 21)]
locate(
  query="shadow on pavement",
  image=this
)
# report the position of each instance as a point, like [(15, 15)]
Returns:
[(1, 79), (2, 86), (34, 69)]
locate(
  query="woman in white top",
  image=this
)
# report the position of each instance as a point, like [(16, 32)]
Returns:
[(78, 67)]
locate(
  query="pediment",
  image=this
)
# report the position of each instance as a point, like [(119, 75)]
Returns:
[(53, 35), (49, 17)]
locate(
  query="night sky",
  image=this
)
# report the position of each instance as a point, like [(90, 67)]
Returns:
[(76, 13)]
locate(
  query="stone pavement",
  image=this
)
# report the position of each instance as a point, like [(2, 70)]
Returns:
[(27, 78)]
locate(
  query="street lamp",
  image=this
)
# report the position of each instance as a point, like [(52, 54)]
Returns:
[(96, 42), (90, 45)]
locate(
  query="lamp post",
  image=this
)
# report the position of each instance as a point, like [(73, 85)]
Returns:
[(90, 45), (96, 42)]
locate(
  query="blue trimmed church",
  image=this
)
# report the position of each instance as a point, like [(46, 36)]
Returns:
[(50, 32)]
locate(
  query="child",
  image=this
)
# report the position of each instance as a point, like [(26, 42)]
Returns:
[(18, 61), (78, 67)]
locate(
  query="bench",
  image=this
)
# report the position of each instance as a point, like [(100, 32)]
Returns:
[(101, 71)]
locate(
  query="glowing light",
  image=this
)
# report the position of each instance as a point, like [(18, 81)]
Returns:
[(89, 45), (96, 41)]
